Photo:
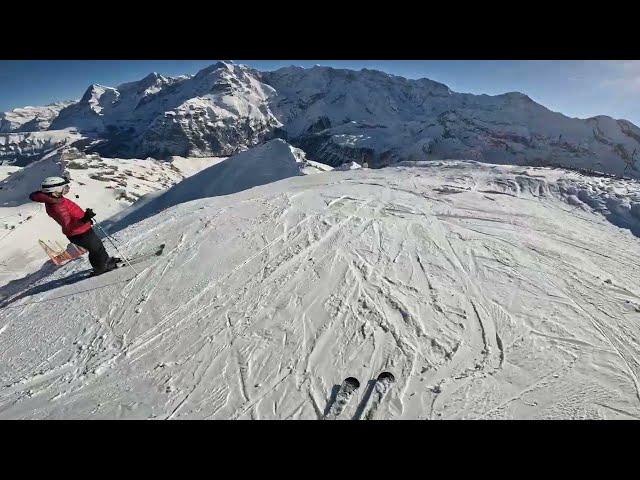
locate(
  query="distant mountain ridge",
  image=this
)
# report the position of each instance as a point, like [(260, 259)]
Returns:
[(336, 116)]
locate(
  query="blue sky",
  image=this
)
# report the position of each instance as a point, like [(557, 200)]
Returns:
[(577, 88)]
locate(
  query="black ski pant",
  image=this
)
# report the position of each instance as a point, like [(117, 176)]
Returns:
[(98, 256)]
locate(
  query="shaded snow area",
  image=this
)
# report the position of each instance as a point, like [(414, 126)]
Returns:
[(483, 289), (106, 185), (270, 162)]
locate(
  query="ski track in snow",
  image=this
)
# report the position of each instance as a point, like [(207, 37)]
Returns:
[(483, 305)]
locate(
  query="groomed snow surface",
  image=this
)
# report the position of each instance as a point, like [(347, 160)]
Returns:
[(482, 288)]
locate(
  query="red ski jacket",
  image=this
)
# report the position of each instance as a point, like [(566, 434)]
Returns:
[(63, 211)]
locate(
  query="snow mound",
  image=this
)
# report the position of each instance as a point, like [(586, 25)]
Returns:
[(617, 200), (485, 293), (267, 163), (349, 166)]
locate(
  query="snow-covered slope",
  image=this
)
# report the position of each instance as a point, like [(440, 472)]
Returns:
[(482, 288), (273, 161), (104, 184), (341, 116)]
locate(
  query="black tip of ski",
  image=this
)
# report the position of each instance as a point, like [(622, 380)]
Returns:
[(387, 376), (353, 382)]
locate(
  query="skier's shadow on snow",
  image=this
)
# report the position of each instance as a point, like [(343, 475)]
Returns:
[(332, 399), (365, 400), (50, 285), (360, 410)]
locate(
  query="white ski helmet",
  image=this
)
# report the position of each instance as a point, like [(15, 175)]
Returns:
[(54, 184)]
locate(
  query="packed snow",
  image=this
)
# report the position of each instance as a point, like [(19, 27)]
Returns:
[(489, 291), (495, 290)]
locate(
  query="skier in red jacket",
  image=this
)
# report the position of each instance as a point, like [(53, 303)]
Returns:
[(75, 223)]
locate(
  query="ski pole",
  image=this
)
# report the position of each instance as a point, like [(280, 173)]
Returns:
[(117, 250), (106, 234)]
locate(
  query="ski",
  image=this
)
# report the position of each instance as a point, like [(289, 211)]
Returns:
[(131, 261), (345, 392), (142, 256), (383, 384)]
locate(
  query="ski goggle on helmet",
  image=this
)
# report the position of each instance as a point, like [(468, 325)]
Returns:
[(55, 185)]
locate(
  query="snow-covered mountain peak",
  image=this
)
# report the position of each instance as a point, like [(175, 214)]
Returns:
[(30, 119), (94, 93), (339, 116), (150, 84), (219, 67)]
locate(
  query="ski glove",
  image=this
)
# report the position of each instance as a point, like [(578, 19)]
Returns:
[(88, 215)]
